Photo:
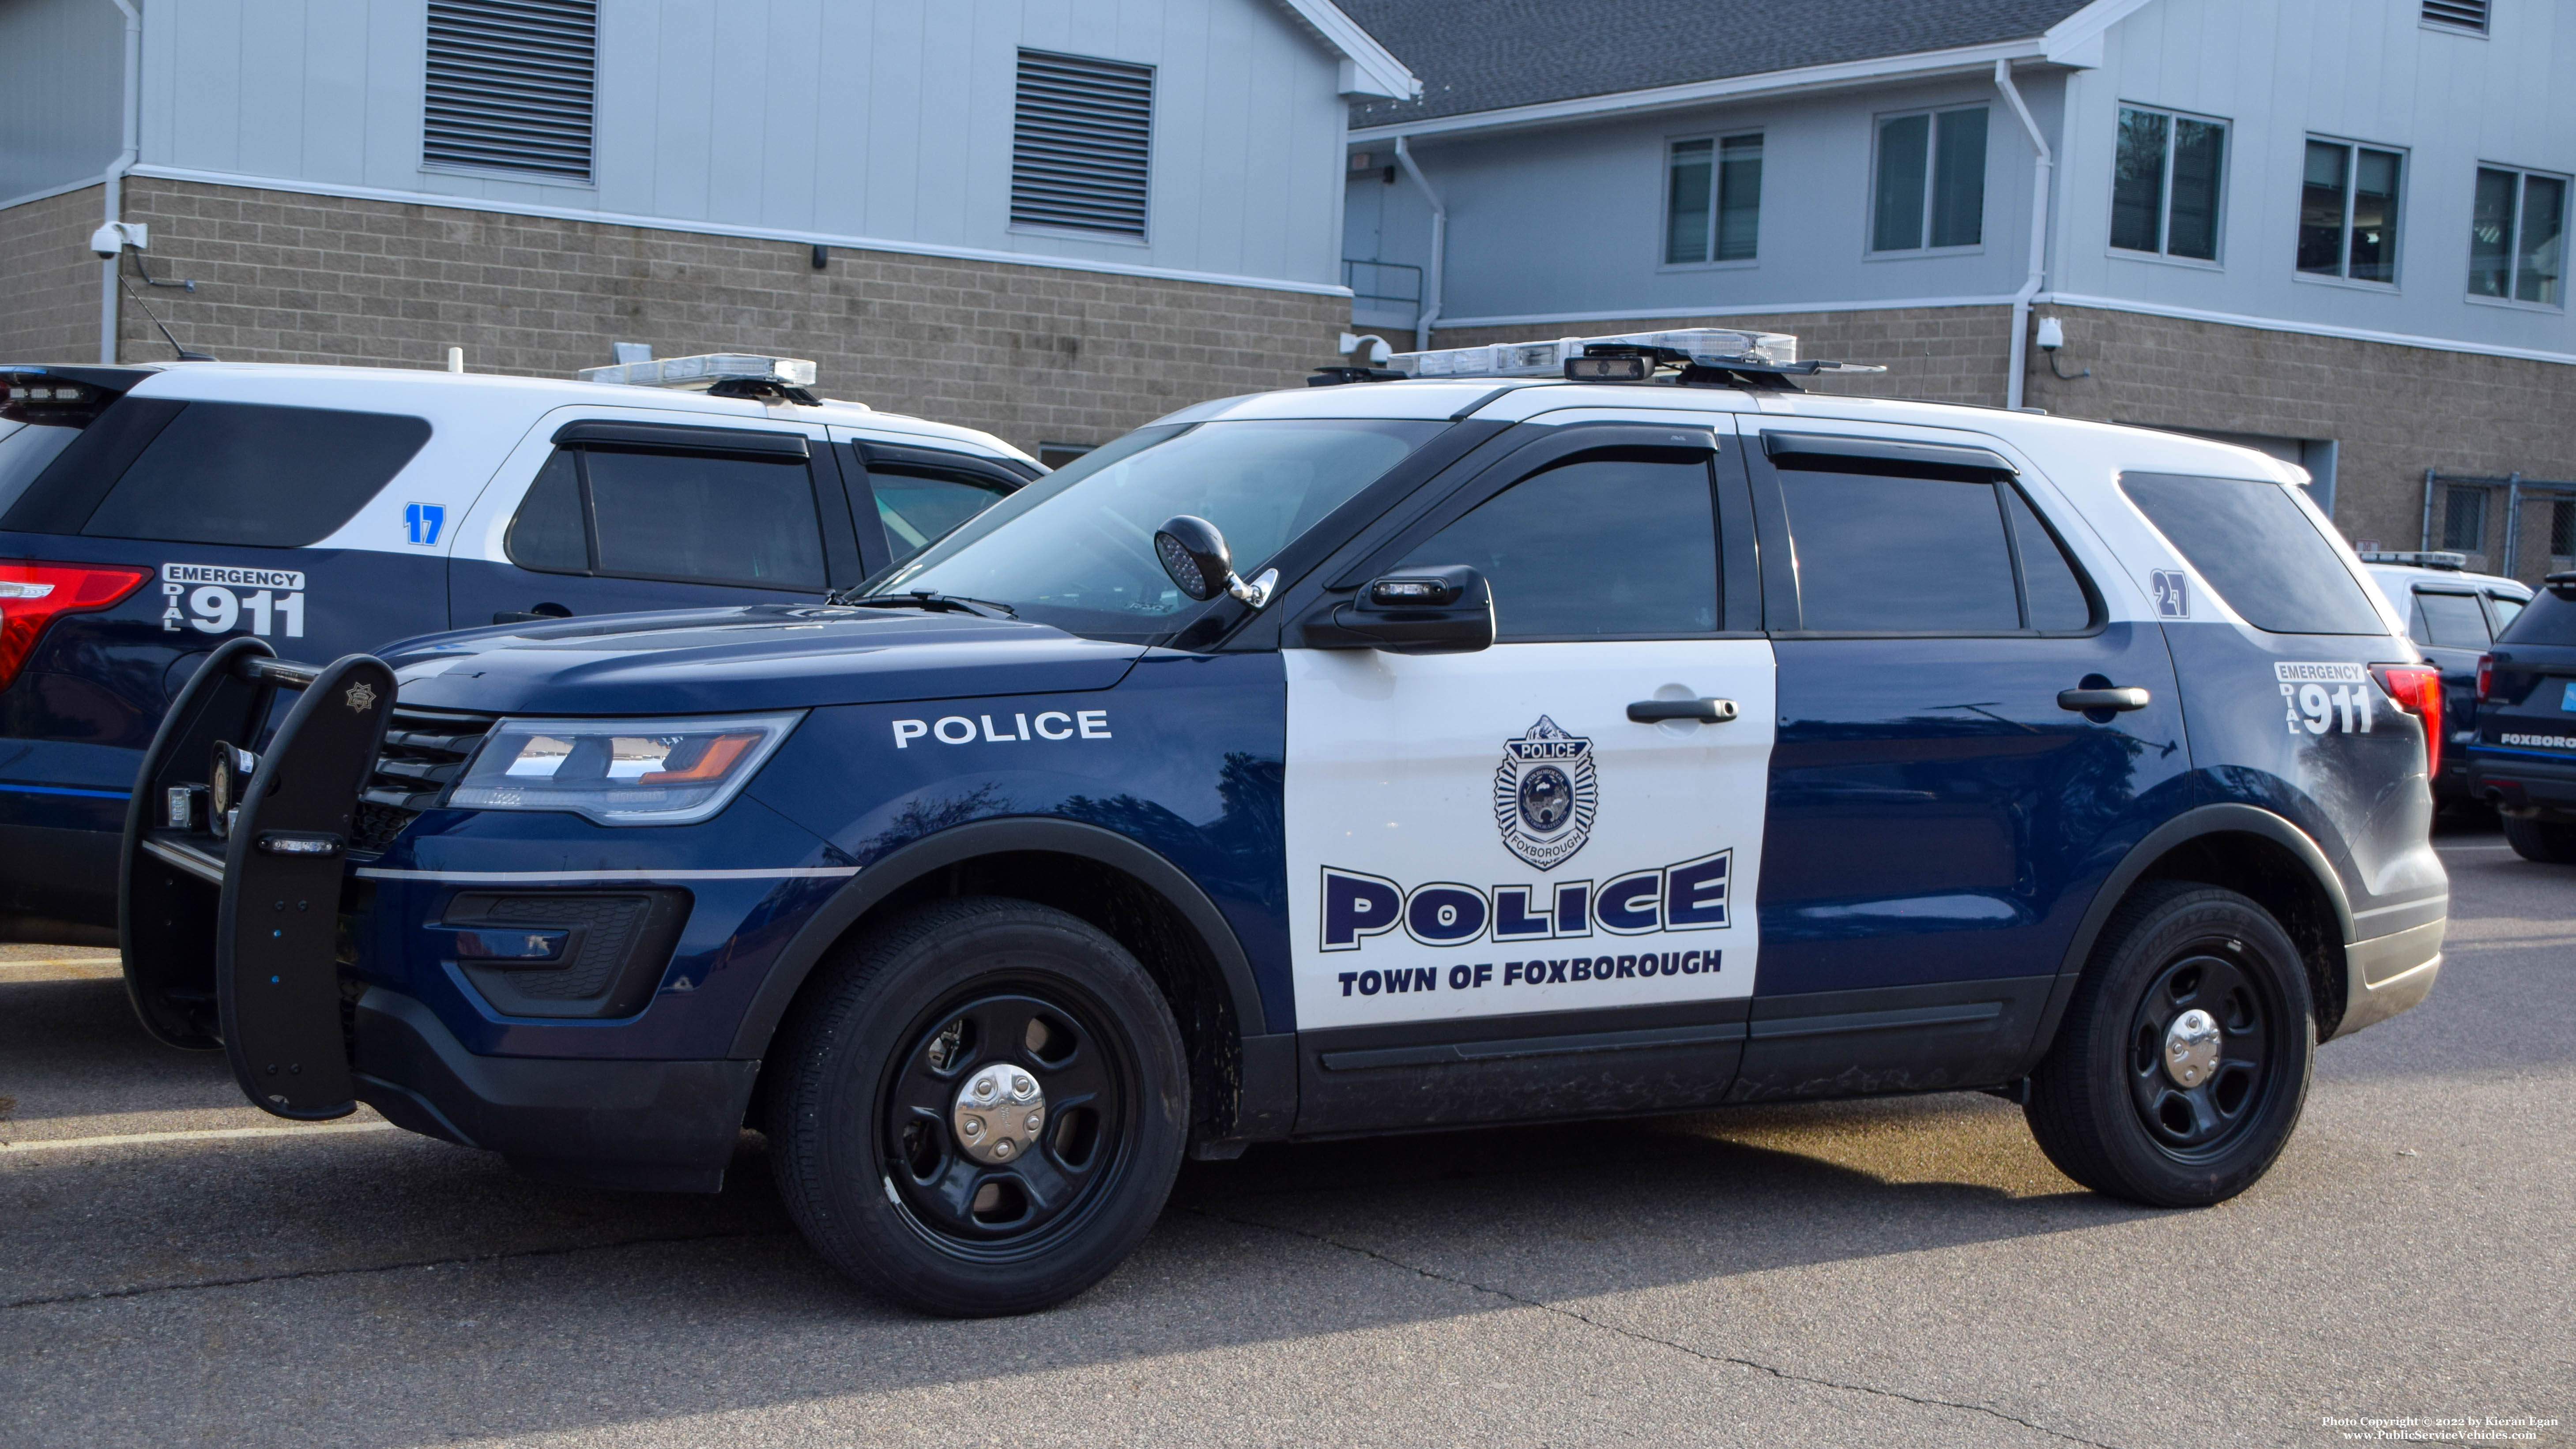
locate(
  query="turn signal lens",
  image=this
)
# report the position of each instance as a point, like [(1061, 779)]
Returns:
[(2486, 677), (2417, 688), (33, 595)]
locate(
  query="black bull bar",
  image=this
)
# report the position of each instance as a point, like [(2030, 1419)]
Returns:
[(228, 892)]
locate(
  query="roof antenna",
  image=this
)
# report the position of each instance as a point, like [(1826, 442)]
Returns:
[(184, 354)]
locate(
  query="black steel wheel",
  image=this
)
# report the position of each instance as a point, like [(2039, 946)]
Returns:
[(2183, 1062), (980, 1108)]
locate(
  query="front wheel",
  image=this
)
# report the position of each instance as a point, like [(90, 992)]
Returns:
[(982, 1108), (2183, 1061)]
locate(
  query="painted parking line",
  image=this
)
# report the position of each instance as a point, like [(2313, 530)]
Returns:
[(63, 968), (208, 1134)]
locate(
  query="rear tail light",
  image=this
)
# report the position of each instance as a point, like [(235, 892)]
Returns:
[(2486, 677), (2417, 688), (33, 595)]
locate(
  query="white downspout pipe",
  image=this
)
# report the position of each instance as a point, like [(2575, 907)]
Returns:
[(115, 179), (2039, 176), (1432, 285)]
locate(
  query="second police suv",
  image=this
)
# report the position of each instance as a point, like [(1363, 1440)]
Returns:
[(1518, 733)]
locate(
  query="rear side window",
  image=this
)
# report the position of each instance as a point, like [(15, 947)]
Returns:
[(2448, 621), (2550, 619), (918, 506), (684, 517), (2254, 545), (25, 449), (256, 475), (1599, 546), (1883, 552), (2506, 608)]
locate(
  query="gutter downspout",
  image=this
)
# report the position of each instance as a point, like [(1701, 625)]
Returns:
[(115, 178), (1439, 246), (2039, 177)]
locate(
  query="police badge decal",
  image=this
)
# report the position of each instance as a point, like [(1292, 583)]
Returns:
[(1545, 795)]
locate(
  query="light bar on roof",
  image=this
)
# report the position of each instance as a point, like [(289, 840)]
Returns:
[(1707, 346), (705, 370)]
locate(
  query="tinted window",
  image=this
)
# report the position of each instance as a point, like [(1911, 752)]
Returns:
[(243, 473), (2449, 621), (918, 507), (2506, 608), (2550, 619), (24, 452), (2049, 584), (1599, 546), (548, 533), (690, 516), (2254, 545), (1877, 553)]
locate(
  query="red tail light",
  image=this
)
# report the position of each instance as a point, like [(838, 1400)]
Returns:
[(2486, 677), (2417, 688), (33, 595)]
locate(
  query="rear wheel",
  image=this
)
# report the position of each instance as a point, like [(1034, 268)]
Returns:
[(2183, 1061), (2548, 842), (982, 1108)]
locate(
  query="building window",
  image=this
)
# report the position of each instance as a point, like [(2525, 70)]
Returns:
[(2348, 212), (2517, 235), (1931, 181), (2457, 14), (510, 86), (1081, 139), (1713, 199), (2165, 184), (2562, 529), (2464, 520)]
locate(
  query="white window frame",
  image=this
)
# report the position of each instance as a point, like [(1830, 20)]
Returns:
[(2566, 203), (2342, 277), (1931, 184), (1716, 198), (2164, 199)]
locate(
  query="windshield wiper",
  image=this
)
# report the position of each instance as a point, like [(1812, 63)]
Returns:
[(923, 599)]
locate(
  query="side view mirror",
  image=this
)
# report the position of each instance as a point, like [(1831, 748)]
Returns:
[(1193, 552), (1444, 610)]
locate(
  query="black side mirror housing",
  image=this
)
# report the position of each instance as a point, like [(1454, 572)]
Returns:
[(1445, 610)]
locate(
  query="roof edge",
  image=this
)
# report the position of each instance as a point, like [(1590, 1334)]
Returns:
[(1368, 68)]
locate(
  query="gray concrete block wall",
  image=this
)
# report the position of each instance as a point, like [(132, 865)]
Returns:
[(49, 281), (1034, 354)]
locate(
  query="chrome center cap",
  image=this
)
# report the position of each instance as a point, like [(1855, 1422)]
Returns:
[(2191, 1048), (999, 1113)]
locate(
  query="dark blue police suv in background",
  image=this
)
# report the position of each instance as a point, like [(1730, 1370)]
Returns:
[(149, 513), (2524, 760), (1369, 758)]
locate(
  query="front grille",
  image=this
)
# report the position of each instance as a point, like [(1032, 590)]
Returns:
[(425, 750)]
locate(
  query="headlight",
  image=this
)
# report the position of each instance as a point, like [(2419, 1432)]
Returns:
[(620, 771)]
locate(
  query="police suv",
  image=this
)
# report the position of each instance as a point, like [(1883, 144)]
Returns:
[(1515, 734), (2453, 615), (149, 513), (2523, 760)]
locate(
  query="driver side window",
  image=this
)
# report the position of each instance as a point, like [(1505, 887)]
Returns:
[(1606, 545)]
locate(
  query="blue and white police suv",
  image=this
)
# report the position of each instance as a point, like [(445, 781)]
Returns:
[(149, 513), (1522, 733)]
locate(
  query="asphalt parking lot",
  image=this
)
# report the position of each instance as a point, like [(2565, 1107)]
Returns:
[(1893, 1272)]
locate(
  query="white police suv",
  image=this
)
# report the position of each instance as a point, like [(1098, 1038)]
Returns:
[(147, 514), (1469, 746), (2453, 615)]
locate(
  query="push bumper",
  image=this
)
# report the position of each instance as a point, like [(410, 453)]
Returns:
[(2389, 974), (649, 1126)]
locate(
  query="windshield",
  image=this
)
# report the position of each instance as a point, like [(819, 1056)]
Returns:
[(1076, 548)]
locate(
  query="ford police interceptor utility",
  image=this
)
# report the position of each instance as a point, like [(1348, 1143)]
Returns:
[(2452, 615), (1467, 747), (2524, 757), (148, 514)]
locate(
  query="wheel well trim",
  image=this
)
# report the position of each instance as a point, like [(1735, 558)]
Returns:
[(2225, 818), (827, 923)]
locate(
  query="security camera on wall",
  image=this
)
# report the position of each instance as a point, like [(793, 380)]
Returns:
[(111, 240)]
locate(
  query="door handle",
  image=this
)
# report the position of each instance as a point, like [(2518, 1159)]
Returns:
[(1702, 711), (2131, 697)]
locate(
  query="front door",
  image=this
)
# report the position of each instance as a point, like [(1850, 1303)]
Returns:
[(1509, 898)]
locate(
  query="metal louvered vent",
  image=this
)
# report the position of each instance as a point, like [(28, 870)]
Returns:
[(1080, 145), (2464, 14), (510, 85)]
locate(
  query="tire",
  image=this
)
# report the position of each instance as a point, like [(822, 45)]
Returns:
[(878, 1071), (2105, 1106), (2548, 842)]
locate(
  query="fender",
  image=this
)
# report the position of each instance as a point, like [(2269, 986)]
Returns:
[(2192, 824), (997, 837)]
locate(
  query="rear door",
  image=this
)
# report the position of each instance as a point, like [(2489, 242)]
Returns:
[(1509, 899), (1939, 820), (611, 513)]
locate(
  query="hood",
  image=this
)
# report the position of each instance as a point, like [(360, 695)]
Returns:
[(762, 656)]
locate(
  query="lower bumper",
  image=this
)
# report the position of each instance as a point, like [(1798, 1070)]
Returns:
[(651, 1126), (2522, 786), (2389, 974)]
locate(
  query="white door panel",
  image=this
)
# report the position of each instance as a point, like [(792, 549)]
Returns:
[(1488, 834)]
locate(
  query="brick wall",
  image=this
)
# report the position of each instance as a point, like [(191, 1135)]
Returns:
[(2393, 411), (49, 280), (1031, 353)]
